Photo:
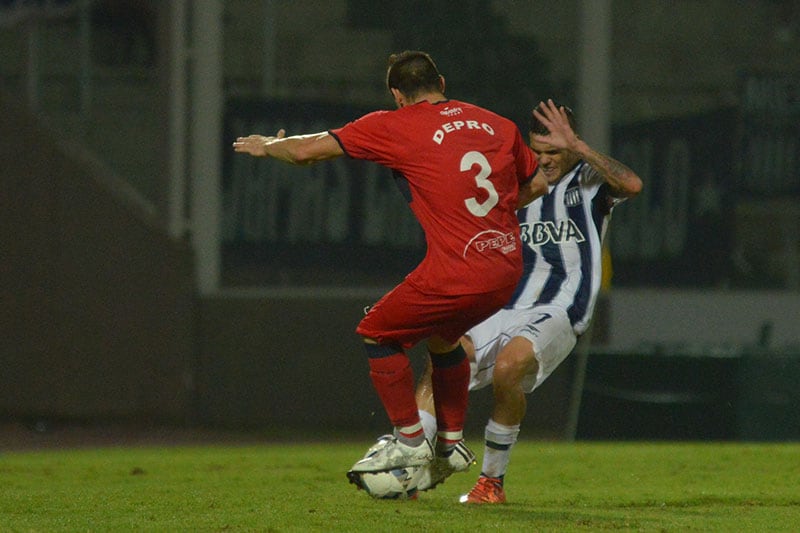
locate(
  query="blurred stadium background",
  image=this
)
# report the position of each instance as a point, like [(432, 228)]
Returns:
[(148, 277)]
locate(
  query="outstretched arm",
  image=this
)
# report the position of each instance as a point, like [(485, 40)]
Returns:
[(297, 149), (623, 181), (532, 190)]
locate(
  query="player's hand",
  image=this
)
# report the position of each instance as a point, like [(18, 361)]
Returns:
[(256, 145), (556, 121)]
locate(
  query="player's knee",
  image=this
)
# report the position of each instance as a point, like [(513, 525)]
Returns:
[(511, 367), (508, 371)]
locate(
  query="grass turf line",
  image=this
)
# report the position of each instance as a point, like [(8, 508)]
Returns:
[(281, 487)]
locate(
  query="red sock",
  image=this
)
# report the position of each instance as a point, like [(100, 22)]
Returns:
[(393, 379), (450, 395)]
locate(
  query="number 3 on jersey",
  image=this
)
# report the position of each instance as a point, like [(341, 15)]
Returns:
[(480, 209)]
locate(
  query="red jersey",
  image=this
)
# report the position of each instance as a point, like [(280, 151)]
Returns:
[(463, 166)]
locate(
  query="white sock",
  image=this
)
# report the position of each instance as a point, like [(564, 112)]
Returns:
[(428, 424), (499, 440)]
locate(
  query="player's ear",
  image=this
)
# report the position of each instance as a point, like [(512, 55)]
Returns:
[(441, 83), (399, 99)]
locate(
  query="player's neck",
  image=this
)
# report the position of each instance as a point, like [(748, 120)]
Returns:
[(431, 98)]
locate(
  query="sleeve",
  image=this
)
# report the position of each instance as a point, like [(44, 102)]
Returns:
[(365, 138)]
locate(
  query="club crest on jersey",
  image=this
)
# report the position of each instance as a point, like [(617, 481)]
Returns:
[(572, 197), (559, 232)]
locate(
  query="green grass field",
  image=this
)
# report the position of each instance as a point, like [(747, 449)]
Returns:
[(281, 487)]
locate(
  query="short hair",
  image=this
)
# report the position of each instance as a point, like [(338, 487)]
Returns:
[(412, 72), (537, 128)]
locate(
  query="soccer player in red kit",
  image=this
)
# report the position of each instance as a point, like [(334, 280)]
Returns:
[(461, 168)]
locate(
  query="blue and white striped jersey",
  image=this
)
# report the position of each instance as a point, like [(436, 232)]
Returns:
[(562, 234)]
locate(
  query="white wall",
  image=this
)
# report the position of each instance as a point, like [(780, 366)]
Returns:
[(702, 320)]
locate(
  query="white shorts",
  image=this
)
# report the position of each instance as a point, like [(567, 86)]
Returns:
[(546, 326)]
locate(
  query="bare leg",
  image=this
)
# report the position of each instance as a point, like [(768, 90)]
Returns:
[(424, 391), (514, 362)]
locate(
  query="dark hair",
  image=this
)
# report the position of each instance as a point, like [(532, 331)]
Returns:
[(412, 72), (540, 129)]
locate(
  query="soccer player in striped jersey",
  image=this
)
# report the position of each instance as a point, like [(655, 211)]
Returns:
[(517, 348)]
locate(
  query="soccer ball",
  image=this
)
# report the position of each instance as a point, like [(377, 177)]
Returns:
[(400, 483), (397, 484)]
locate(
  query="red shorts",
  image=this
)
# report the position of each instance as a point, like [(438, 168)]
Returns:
[(407, 316)]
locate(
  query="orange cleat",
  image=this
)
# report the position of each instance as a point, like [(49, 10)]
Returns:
[(486, 490)]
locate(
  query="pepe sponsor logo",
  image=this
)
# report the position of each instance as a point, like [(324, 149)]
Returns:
[(559, 232), (505, 242), (492, 240)]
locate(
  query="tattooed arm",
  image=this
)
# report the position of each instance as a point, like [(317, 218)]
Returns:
[(623, 181)]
